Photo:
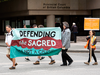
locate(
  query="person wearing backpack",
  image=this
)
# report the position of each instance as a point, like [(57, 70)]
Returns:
[(8, 40), (91, 44)]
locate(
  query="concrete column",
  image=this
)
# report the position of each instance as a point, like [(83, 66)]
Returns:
[(51, 21)]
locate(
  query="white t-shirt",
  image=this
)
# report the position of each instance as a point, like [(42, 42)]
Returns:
[(8, 38)]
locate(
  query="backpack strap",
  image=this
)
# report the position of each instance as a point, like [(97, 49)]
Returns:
[(11, 33)]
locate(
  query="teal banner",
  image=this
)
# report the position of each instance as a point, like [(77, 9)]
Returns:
[(36, 42)]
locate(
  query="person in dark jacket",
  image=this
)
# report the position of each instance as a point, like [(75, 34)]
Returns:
[(74, 30), (91, 44)]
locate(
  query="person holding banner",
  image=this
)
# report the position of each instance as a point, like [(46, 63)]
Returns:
[(65, 37), (8, 40), (91, 44), (35, 26), (40, 58), (27, 59)]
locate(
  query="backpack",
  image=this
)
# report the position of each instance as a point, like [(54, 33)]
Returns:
[(10, 34)]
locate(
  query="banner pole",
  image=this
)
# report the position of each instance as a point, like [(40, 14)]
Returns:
[(90, 48)]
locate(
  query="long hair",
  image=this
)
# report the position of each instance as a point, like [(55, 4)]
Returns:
[(93, 33)]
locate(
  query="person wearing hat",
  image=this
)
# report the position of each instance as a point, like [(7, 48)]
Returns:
[(74, 30), (65, 38)]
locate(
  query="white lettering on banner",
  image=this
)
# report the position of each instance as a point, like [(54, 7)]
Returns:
[(42, 43), (38, 44), (22, 42), (29, 44), (52, 41), (48, 41)]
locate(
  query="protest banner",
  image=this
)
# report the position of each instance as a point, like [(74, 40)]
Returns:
[(36, 42)]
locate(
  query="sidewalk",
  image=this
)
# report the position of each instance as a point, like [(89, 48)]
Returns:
[(79, 47), (75, 47)]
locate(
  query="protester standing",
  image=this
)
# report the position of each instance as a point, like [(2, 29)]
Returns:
[(8, 40), (40, 58), (91, 43), (65, 38), (74, 30)]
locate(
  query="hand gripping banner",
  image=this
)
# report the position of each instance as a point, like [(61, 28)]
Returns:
[(36, 42)]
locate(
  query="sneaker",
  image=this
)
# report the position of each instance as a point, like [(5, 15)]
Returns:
[(86, 63), (36, 63), (96, 63), (42, 58), (52, 62), (16, 64), (27, 59), (12, 68)]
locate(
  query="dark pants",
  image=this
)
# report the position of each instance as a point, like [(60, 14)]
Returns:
[(93, 55), (75, 37), (66, 57)]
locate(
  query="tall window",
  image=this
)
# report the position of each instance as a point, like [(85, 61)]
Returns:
[(27, 23), (7, 22)]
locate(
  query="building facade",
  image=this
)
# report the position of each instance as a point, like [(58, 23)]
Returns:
[(50, 13)]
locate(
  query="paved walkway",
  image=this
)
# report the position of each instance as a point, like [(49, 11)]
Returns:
[(79, 47), (27, 68)]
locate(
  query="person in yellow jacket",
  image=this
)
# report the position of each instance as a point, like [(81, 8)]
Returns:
[(91, 44)]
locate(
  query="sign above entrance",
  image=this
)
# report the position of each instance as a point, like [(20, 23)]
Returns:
[(91, 24), (55, 5)]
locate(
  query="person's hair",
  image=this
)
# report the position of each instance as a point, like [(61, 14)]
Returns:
[(74, 23), (40, 26), (24, 25), (8, 26), (34, 25), (93, 32), (66, 24)]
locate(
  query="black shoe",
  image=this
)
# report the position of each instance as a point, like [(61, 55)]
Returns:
[(63, 65), (27, 59), (70, 63), (12, 68), (16, 64), (42, 58)]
